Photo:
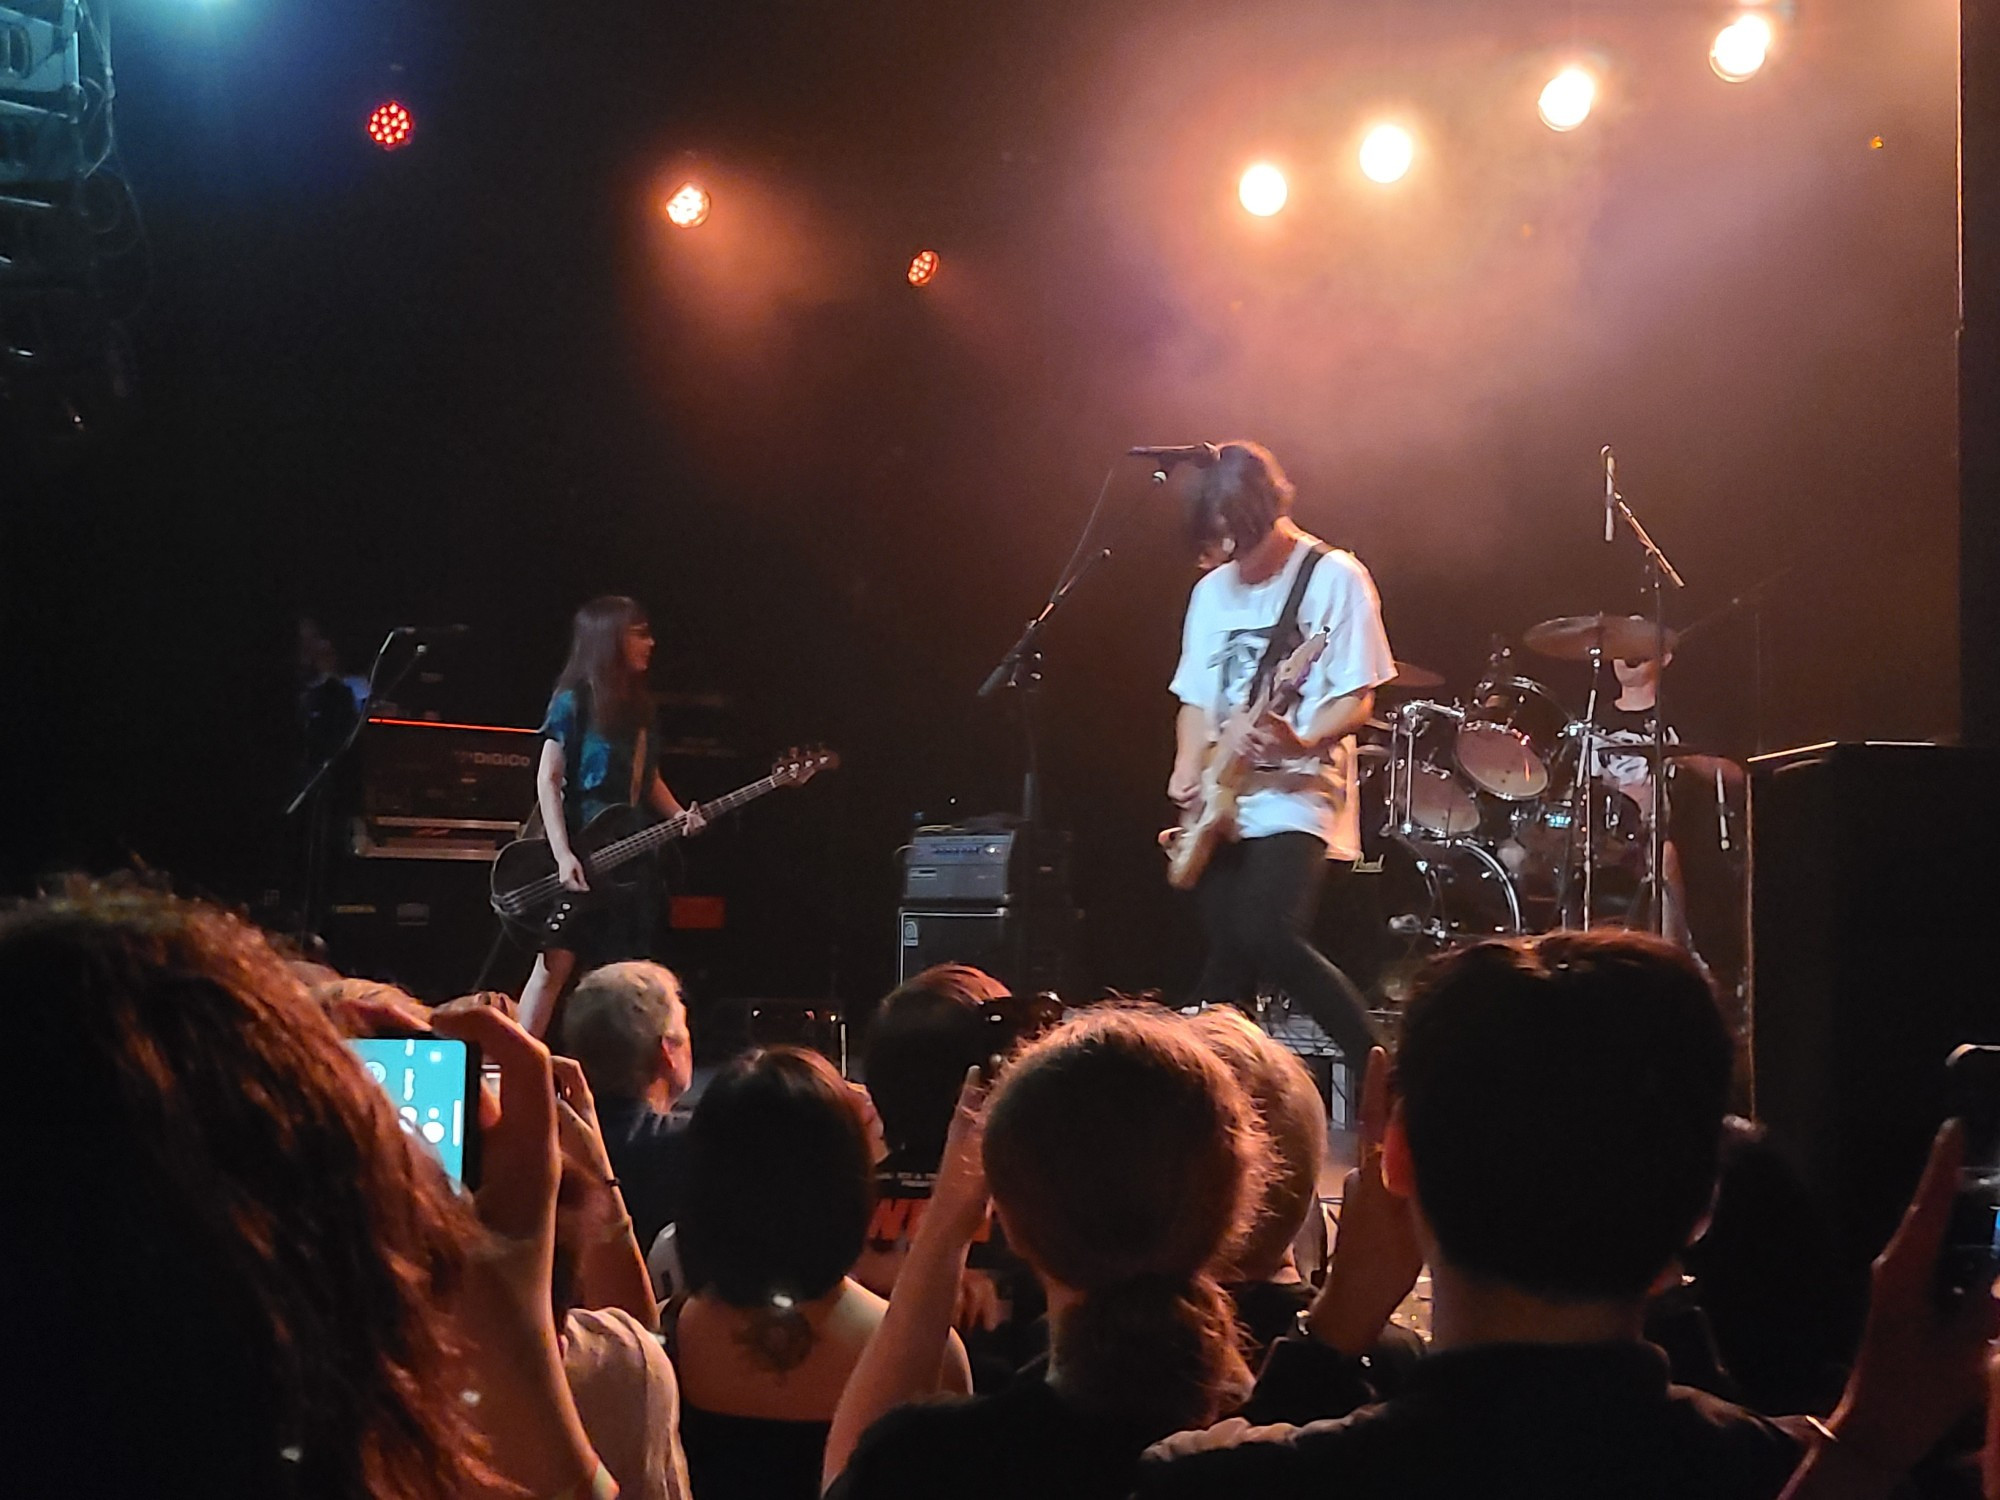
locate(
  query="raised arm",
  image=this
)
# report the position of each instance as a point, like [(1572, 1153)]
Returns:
[(914, 1352)]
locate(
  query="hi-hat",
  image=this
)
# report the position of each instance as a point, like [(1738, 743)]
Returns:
[(1574, 637)]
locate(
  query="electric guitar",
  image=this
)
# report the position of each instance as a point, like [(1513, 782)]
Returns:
[(1212, 819), (529, 895)]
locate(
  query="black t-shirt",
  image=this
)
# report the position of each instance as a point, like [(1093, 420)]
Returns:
[(1023, 1441), (648, 1153), (1556, 1421)]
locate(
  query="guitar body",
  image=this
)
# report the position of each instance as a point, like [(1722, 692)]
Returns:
[(529, 865), (1190, 847)]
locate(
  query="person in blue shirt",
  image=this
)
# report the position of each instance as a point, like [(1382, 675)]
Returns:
[(598, 752)]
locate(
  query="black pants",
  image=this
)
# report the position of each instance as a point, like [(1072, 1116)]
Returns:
[(1258, 898)]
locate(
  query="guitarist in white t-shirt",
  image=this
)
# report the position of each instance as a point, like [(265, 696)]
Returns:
[(1297, 813)]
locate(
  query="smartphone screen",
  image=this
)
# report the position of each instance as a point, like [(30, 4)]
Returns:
[(431, 1081), (1971, 1258)]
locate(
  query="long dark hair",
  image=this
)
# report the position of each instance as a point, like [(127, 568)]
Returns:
[(1238, 498), (1126, 1162), (619, 699), (215, 1227)]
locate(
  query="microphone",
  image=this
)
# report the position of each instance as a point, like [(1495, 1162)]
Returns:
[(1610, 491), (432, 632), (1201, 455)]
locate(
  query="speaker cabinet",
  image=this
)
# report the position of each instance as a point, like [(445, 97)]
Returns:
[(423, 924), (1875, 879), (1025, 948)]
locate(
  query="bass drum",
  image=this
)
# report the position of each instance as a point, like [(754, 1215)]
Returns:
[(1430, 898)]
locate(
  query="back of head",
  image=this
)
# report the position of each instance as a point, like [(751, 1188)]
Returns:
[(615, 1022), (1563, 1099), (1294, 1119), (779, 1184), (927, 1033), (1238, 498), (1126, 1160), (233, 1256)]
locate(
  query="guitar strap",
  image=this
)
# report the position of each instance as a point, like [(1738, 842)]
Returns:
[(1287, 633)]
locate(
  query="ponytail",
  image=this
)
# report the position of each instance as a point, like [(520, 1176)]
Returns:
[(1153, 1351)]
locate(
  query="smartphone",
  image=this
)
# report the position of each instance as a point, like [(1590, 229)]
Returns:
[(1970, 1260), (434, 1083)]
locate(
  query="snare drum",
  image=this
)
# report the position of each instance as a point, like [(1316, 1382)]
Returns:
[(1509, 738)]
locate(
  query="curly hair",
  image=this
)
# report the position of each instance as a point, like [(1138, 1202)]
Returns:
[(238, 1257)]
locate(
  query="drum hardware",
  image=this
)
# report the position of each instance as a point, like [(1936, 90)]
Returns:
[(1425, 798)]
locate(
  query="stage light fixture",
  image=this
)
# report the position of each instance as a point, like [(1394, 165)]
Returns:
[(1262, 190), (688, 207), (1741, 48), (390, 125), (923, 266), (1387, 152), (1567, 98)]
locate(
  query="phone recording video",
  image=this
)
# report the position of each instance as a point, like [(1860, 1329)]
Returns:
[(433, 1082), (1971, 1257)]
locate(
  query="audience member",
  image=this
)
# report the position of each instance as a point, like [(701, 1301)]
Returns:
[(779, 1187), (1263, 1281), (626, 1024), (228, 1270), (623, 1383), (926, 1033), (1924, 1360), (1554, 1141), (1126, 1162)]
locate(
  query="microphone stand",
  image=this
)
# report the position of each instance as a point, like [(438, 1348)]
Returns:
[(316, 850), (1659, 573), (1021, 668)]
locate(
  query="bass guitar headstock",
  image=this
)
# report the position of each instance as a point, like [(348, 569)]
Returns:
[(799, 765)]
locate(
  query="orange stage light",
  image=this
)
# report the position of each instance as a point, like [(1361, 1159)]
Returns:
[(923, 266), (688, 207)]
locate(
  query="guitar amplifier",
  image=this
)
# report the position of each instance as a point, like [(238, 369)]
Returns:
[(970, 865), (442, 791), (1028, 950)]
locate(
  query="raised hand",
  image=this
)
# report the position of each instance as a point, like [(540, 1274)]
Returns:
[(1376, 1257)]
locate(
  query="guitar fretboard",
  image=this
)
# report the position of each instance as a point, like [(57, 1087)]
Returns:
[(619, 851)]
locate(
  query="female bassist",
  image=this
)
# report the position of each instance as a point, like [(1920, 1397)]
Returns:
[(598, 752)]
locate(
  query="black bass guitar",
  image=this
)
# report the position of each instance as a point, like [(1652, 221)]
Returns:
[(528, 893)]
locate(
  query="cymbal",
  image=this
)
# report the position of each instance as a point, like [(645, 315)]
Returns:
[(1707, 767), (1573, 637), (1410, 675)]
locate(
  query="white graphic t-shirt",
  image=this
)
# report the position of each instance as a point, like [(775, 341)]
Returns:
[(1229, 623)]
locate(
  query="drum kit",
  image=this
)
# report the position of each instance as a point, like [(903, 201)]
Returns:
[(1496, 816)]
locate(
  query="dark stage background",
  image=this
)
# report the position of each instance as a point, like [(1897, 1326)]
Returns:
[(480, 379)]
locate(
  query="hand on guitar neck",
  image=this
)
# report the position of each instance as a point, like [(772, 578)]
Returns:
[(569, 868)]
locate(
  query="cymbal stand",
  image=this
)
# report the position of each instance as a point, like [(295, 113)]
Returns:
[(1586, 792)]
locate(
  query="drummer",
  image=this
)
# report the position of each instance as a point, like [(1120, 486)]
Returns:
[(1629, 721)]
